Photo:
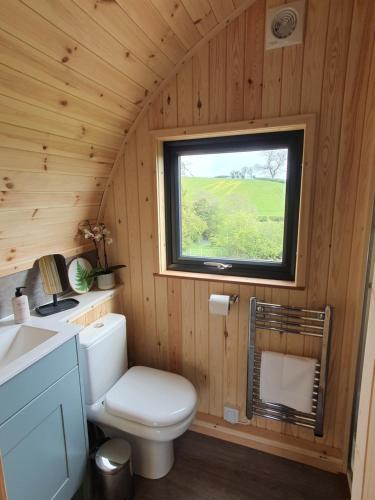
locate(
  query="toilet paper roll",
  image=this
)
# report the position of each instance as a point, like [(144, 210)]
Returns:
[(219, 304)]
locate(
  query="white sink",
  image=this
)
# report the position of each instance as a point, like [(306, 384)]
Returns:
[(23, 345), (14, 343)]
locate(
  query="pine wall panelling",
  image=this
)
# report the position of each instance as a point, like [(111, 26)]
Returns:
[(364, 444), (363, 477), (113, 304), (232, 78), (74, 76), (3, 493)]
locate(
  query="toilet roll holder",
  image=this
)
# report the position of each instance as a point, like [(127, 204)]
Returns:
[(233, 299)]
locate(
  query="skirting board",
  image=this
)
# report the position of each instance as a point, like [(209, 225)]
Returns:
[(325, 458)]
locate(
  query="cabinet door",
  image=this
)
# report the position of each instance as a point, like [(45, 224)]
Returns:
[(44, 445)]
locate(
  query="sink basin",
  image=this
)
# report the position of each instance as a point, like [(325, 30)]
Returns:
[(17, 342)]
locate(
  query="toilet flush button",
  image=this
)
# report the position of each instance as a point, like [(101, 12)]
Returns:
[(98, 325)]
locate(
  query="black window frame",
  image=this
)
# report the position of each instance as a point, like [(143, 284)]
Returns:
[(293, 140)]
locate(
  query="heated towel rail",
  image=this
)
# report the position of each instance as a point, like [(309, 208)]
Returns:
[(280, 319)]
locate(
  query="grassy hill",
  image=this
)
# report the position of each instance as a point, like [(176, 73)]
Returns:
[(239, 218), (264, 197)]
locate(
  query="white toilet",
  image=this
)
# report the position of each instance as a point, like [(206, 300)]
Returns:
[(149, 407)]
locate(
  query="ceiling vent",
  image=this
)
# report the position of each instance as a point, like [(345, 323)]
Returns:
[(284, 25)]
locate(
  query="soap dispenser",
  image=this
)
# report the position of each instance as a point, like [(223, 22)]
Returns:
[(20, 306)]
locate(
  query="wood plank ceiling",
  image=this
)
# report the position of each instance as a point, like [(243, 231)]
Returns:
[(74, 75)]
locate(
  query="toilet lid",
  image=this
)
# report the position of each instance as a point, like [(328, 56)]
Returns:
[(151, 397)]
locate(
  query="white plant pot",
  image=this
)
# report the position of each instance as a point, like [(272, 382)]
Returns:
[(106, 281)]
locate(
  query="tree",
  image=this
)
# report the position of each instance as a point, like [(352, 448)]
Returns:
[(207, 211), (244, 173), (247, 172), (193, 226), (185, 168), (275, 161), (235, 174), (241, 235)]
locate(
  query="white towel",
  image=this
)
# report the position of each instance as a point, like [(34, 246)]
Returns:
[(287, 380)]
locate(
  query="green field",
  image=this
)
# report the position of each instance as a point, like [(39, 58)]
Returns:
[(264, 197), (237, 218)]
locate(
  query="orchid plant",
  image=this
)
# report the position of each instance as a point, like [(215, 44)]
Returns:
[(100, 235)]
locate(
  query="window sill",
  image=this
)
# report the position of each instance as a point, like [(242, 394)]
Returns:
[(230, 279)]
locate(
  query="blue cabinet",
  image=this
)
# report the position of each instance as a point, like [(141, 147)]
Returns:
[(44, 442)]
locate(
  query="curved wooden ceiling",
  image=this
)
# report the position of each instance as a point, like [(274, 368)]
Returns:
[(74, 75)]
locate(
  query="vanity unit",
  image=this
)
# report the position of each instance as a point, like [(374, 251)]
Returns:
[(43, 432), (43, 436)]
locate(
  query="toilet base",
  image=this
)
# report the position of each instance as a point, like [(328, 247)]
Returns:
[(150, 459)]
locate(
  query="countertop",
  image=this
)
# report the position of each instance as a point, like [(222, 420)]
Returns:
[(57, 323)]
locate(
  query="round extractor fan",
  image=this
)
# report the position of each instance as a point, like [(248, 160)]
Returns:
[(284, 23)]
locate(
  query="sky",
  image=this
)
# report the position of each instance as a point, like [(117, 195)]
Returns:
[(213, 165)]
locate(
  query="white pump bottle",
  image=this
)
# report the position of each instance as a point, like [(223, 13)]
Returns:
[(20, 305)]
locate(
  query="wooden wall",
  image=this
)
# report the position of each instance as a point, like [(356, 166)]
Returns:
[(364, 435), (3, 493), (233, 78), (364, 444), (113, 304), (74, 75)]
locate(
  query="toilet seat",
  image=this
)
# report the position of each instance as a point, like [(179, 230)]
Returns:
[(97, 413), (151, 397)]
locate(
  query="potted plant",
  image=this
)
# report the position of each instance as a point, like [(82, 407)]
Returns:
[(100, 235)]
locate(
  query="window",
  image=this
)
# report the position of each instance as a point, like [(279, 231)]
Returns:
[(232, 204)]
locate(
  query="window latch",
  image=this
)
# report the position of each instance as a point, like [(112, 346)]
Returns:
[(219, 265)]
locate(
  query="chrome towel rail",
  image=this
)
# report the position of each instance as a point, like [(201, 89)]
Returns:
[(276, 318)]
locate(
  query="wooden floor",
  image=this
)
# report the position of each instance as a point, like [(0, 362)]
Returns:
[(211, 469)]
